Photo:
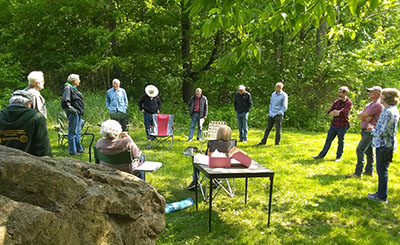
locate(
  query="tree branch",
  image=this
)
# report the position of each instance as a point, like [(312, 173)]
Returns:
[(215, 52)]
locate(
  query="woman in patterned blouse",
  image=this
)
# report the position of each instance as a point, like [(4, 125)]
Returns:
[(384, 140)]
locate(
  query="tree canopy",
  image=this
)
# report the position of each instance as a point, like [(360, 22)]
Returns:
[(313, 46)]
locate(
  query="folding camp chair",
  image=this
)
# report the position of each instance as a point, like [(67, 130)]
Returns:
[(123, 158), (222, 146), (211, 132), (162, 131), (61, 128), (62, 131), (122, 118)]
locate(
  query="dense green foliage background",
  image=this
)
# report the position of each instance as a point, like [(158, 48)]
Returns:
[(312, 46)]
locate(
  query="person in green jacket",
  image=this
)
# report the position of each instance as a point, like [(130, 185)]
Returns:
[(24, 128)]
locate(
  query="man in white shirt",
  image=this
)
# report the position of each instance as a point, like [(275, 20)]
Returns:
[(35, 84)]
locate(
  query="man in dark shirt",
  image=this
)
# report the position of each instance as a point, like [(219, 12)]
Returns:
[(74, 106), (24, 128), (242, 106), (340, 111), (198, 108), (149, 104)]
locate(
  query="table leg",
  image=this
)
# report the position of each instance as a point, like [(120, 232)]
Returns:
[(271, 179), (210, 208), (245, 193), (195, 190)]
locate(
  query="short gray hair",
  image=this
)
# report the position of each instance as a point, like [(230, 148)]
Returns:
[(344, 89), (199, 90), (21, 97), (279, 84), (34, 77), (72, 77), (115, 81), (110, 129)]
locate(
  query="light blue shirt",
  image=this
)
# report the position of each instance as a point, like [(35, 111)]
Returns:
[(278, 104), (116, 100), (386, 128)]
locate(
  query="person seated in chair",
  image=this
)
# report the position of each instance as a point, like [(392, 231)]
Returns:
[(225, 144), (24, 128), (115, 141)]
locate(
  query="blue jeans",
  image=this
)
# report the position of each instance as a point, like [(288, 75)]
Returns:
[(332, 132), (148, 121), (365, 147), (74, 133), (195, 120), (242, 118), (383, 158)]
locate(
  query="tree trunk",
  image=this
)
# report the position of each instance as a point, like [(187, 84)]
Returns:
[(112, 25), (187, 76), (321, 41), (278, 43)]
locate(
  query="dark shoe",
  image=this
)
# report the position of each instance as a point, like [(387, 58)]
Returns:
[(262, 143), (317, 157), (369, 174), (191, 186), (353, 176), (374, 197)]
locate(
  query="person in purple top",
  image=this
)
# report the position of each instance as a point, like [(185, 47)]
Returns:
[(369, 115)]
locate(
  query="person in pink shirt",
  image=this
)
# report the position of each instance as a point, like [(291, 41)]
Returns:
[(369, 115)]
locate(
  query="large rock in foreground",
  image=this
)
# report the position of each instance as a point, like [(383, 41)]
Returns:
[(67, 201)]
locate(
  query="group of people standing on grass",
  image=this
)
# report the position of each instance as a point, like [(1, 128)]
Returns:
[(379, 121), (26, 129)]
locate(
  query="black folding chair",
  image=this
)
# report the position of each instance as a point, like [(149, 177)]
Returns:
[(62, 131)]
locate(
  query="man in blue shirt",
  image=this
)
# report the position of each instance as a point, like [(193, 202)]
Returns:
[(277, 107), (117, 103)]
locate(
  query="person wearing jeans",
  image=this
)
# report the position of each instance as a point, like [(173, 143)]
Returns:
[(367, 116), (74, 133), (384, 139), (277, 108), (149, 104), (340, 111), (242, 106), (74, 106), (198, 108)]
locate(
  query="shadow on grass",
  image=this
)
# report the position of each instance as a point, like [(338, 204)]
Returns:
[(327, 179)]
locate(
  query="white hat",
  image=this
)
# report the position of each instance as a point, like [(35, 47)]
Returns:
[(151, 91), (375, 88)]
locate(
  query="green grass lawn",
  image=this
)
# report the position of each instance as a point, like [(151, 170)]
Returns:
[(313, 202)]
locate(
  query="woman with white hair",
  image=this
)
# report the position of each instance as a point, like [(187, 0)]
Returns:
[(384, 140), (115, 141)]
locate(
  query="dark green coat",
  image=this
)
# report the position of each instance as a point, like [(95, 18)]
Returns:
[(25, 129)]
